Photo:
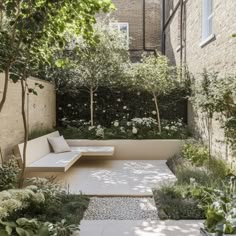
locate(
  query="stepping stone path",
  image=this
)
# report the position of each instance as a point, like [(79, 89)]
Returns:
[(121, 208), (111, 212)]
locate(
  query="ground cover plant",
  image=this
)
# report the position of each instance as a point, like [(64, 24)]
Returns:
[(136, 128), (41, 208), (196, 172), (174, 202), (219, 206)]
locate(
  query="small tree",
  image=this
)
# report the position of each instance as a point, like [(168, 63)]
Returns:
[(100, 63), (205, 98), (153, 75), (31, 31)]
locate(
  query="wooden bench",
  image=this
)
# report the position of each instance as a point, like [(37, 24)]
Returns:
[(40, 158)]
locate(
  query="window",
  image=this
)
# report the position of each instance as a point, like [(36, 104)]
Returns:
[(123, 27), (207, 21)]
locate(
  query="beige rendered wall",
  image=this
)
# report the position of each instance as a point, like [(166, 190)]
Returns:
[(41, 112), (217, 55), (152, 149)]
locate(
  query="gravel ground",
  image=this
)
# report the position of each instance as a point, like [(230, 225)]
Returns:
[(121, 208)]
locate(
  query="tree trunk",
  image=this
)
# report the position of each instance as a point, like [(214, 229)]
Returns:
[(210, 135), (26, 131), (91, 107), (6, 81), (158, 112)]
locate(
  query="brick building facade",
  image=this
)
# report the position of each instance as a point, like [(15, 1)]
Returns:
[(205, 29), (144, 24)]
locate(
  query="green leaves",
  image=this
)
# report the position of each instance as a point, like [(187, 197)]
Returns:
[(153, 74)]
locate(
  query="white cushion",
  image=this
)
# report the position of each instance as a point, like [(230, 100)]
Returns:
[(59, 144), (60, 162)]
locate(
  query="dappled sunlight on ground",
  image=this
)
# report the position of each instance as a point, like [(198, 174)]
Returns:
[(140, 228), (110, 177), (115, 177)]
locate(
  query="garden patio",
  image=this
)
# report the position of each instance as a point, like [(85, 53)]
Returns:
[(102, 137)]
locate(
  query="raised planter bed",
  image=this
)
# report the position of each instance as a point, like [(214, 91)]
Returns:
[(205, 233), (126, 149)]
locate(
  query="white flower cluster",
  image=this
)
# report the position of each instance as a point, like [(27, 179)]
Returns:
[(145, 121), (16, 199), (174, 125), (99, 131)]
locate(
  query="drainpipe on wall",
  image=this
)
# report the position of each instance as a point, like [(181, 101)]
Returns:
[(163, 36), (181, 35), (144, 29), (165, 23)]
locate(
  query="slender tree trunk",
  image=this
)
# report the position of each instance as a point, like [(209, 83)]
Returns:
[(26, 131), (210, 135), (91, 106), (158, 112), (5, 89)]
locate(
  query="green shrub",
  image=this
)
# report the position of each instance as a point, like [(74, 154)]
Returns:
[(33, 227), (14, 200), (175, 162), (196, 153), (218, 168), (185, 174), (136, 128), (58, 204), (9, 172), (175, 203), (219, 206)]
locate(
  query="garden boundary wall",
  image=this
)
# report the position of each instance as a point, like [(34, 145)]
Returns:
[(41, 112), (217, 55), (126, 149)]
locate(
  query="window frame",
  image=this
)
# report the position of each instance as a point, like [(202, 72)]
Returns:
[(207, 22), (118, 25)]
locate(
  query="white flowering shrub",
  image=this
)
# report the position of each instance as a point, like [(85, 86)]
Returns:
[(136, 128), (18, 199), (43, 208), (116, 104), (9, 174)]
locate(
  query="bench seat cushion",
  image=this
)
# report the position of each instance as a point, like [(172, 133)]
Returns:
[(94, 150), (58, 162)]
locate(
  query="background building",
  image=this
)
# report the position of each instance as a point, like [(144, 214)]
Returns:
[(141, 19), (199, 34)]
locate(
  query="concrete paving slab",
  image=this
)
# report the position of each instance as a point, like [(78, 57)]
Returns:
[(115, 177), (140, 228)]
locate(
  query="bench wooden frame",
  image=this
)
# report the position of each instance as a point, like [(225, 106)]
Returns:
[(40, 158)]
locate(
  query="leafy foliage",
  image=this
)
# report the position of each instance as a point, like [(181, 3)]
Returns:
[(33, 227), (136, 128), (216, 95), (58, 204), (112, 104), (196, 153), (40, 209), (175, 203), (153, 75), (219, 206), (9, 172), (90, 65)]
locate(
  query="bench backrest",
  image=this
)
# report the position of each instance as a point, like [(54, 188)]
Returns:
[(36, 148)]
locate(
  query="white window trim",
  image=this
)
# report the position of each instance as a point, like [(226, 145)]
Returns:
[(206, 37), (207, 40), (122, 23)]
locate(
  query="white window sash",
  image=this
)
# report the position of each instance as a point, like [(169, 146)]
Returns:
[(207, 18)]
